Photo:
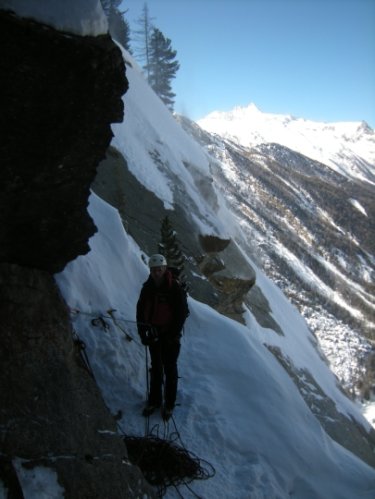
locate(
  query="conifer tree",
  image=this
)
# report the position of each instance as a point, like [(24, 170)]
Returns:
[(142, 37), (169, 246), (162, 67)]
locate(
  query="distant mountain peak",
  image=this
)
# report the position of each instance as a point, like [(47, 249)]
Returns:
[(346, 147)]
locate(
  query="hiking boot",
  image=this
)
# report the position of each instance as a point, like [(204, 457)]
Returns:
[(167, 413), (149, 409)]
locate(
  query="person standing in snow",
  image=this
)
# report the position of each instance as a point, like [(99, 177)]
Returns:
[(161, 312)]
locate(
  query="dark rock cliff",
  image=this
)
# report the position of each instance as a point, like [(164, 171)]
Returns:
[(59, 95)]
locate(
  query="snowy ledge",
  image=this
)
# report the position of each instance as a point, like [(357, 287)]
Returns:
[(80, 17)]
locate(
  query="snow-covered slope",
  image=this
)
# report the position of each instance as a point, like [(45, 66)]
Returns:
[(239, 409), (348, 148), (161, 155)]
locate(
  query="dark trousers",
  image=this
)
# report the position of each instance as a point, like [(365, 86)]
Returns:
[(164, 354)]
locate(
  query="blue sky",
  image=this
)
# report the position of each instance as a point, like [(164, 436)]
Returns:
[(313, 59)]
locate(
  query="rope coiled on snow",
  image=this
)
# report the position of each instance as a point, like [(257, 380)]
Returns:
[(164, 463)]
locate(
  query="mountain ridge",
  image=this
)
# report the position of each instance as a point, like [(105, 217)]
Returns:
[(347, 147)]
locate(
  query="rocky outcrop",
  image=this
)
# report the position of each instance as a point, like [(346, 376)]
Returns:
[(60, 94), (228, 272), (52, 414), (213, 244)]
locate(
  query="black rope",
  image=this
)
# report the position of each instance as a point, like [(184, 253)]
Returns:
[(209, 469), (164, 463)]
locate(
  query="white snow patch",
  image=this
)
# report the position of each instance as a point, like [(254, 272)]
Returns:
[(358, 206), (80, 17), (39, 482)]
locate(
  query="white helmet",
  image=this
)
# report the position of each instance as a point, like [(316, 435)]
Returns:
[(157, 261)]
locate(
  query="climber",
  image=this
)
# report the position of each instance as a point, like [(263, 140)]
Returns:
[(161, 312)]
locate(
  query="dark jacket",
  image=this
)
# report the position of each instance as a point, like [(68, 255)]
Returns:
[(164, 307)]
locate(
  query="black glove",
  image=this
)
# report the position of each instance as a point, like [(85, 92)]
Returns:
[(149, 336)]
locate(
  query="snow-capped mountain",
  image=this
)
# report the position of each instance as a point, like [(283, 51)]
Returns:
[(347, 147)]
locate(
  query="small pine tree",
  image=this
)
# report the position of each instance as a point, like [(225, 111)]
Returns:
[(162, 67), (170, 248)]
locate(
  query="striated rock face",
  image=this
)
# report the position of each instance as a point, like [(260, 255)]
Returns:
[(61, 93)]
